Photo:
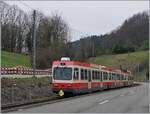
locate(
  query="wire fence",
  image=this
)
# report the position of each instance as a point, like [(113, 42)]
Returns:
[(23, 71)]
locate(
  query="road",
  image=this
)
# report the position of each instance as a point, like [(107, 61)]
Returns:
[(125, 100)]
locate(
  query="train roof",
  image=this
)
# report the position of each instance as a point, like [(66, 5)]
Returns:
[(89, 65), (76, 63)]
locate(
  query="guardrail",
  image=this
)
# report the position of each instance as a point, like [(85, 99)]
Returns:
[(24, 71)]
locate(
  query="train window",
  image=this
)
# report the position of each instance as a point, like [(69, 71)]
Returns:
[(121, 77), (105, 75), (93, 75), (118, 77), (101, 78), (89, 75), (62, 73), (110, 76), (85, 74), (98, 75), (114, 76), (76, 74), (82, 74)]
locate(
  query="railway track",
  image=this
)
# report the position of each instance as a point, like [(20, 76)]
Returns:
[(24, 105)]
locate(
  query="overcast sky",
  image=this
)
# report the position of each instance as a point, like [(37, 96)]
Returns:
[(88, 17)]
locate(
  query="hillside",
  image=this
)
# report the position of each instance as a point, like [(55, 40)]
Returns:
[(137, 62), (131, 36), (13, 59)]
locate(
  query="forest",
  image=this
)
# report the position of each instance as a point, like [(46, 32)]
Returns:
[(54, 39)]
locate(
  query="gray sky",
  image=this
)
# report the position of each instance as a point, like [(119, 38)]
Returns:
[(88, 17)]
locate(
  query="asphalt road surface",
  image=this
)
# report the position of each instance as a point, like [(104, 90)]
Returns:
[(125, 100)]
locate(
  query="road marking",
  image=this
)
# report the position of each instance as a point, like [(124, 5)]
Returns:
[(104, 102), (20, 109), (121, 95)]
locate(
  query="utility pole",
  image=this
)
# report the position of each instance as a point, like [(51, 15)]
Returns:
[(34, 43)]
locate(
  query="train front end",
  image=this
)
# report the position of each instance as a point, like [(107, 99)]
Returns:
[(62, 72)]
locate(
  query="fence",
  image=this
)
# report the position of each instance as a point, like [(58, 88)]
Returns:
[(24, 71)]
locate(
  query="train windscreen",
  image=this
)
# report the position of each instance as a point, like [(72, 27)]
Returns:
[(62, 73)]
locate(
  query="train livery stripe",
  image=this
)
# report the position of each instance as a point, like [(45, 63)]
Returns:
[(81, 85)]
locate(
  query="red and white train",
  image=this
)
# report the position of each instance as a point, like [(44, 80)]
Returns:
[(76, 77)]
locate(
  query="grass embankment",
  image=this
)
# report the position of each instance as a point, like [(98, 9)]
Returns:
[(129, 60), (9, 59), (30, 81), (20, 90)]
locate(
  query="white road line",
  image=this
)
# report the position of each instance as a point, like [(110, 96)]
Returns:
[(122, 95), (20, 109), (104, 102)]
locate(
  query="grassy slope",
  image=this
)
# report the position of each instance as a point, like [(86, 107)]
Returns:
[(13, 59), (116, 60), (127, 60)]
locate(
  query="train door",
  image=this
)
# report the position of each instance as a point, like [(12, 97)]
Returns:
[(89, 79)]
